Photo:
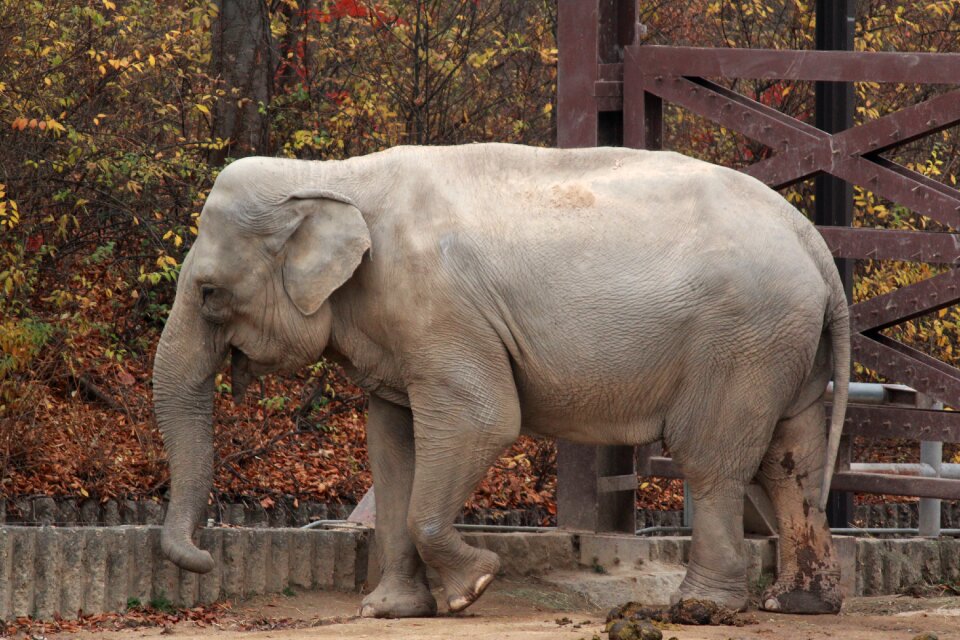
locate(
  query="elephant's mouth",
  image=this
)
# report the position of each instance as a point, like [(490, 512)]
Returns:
[(240, 373)]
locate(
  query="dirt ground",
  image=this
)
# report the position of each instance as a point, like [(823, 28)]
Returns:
[(529, 611)]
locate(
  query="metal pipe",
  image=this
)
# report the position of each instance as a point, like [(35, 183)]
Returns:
[(872, 531), (316, 524), (947, 469), (647, 530), (687, 505), (871, 392), (931, 455), (875, 531)]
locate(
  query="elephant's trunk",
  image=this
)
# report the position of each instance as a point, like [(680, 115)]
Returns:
[(183, 374)]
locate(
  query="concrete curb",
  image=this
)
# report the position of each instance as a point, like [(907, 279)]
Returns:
[(869, 566), (611, 567), (45, 571)]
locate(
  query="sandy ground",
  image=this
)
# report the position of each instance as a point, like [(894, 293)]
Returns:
[(529, 611)]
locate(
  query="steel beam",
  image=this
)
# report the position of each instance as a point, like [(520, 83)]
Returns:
[(884, 244), (906, 303), (897, 361), (783, 64), (782, 133), (898, 422), (577, 43), (881, 483)]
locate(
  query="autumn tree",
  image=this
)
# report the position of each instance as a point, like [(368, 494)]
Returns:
[(244, 63)]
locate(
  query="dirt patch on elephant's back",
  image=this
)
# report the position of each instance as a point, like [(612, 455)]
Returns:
[(530, 611)]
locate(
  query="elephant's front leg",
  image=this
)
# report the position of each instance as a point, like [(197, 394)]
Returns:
[(463, 418), (403, 591)]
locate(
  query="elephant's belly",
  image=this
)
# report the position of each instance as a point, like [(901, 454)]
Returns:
[(585, 429), (597, 409)]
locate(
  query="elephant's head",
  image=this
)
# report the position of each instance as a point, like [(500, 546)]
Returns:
[(271, 249)]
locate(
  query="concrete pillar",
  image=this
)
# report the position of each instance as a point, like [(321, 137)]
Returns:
[(23, 550), (94, 569), (255, 562), (351, 560), (90, 512), (324, 560), (45, 511), (142, 560), (278, 566), (71, 571), (301, 558), (188, 588), (111, 513), (211, 539), (232, 572), (166, 576), (47, 572), (6, 573)]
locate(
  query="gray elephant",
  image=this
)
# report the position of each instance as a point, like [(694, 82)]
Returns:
[(480, 292)]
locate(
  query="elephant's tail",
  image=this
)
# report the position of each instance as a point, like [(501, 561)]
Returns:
[(838, 324)]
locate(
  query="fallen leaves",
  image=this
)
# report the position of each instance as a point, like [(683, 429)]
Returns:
[(135, 617)]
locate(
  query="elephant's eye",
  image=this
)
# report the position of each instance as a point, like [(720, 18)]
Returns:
[(215, 303)]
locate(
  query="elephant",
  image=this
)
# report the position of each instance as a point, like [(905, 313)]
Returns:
[(479, 292)]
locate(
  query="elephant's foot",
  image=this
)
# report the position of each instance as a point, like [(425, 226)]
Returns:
[(727, 593), (804, 594), (399, 599), (464, 584)]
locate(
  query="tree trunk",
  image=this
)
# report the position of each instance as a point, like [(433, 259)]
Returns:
[(244, 62)]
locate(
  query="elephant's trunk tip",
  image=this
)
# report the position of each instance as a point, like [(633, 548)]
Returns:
[(185, 555)]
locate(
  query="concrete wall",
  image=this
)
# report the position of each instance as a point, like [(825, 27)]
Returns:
[(869, 566), (47, 570)]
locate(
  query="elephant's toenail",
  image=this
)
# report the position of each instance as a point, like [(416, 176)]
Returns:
[(771, 604)]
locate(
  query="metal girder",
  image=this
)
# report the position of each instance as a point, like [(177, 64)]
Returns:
[(906, 303), (909, 366), (835, 66), (871, 137), (650, 75), (882, 483), (873, 421), (858, 481), (576, 73), (820, 155), (884, 244)]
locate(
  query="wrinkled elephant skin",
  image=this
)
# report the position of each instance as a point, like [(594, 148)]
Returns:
[(605, 296)]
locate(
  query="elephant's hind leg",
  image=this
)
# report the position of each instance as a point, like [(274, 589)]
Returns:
[(463, 419), (791, 471), (716, 571), (718, 464), (403, 591)]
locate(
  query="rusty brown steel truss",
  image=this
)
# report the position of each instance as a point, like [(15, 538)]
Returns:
[(612, 91)]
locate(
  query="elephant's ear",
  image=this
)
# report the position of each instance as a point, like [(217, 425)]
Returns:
[(323, 251)]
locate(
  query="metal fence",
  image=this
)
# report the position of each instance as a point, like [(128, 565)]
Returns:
[(611, 91)]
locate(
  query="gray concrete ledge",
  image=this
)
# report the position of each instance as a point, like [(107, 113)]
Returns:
[(610, 569), (869, 566), (46, 570)]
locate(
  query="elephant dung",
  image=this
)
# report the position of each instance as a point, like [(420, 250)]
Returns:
[(633, 630)]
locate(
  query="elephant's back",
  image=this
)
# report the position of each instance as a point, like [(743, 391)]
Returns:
[(626, 286)]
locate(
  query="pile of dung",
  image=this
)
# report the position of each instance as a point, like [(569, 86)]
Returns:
[(702, 612), (634, 621)]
